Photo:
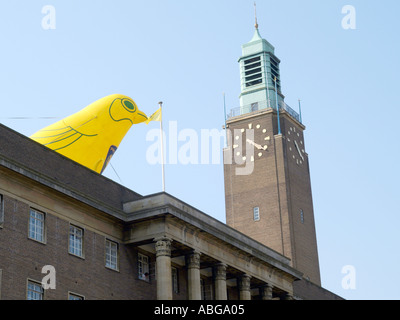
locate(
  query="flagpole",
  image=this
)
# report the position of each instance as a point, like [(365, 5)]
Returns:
[(162, 149), (301, 120)]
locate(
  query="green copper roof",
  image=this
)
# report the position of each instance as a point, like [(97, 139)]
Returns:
[(257, 45), (256, 36)]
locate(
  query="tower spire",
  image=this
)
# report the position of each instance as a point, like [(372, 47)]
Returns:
[(255, 14)]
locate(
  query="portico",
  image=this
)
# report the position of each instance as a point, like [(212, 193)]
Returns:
[(233, 265)]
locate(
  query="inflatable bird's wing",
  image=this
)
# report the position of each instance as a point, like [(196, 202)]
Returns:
[(92, 135)]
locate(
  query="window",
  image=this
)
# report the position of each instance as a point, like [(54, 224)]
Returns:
[(256, 214), (253, 60), (73, 296), (36, 225), (275, 72), (111, 255), (206, 291), (253, 83), (143, 267), (1, 210), (248, 73), (76, 241), (253, 71), (175, 281), (254, 106), (301, 215), (35, 291)]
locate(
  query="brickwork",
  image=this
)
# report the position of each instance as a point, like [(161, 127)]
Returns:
[(68, 199), (23, 259), (300, 202), (243, 193), (279, 186)]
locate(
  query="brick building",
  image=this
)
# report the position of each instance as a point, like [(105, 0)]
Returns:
[(99, 240), (107, 242)]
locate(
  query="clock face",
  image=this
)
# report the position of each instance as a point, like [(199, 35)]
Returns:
[(296, 145), (260, 142)]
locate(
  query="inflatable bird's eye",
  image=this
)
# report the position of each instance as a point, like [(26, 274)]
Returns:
[(131, 107)]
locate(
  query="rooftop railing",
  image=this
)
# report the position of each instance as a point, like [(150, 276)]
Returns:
[(262, 105)]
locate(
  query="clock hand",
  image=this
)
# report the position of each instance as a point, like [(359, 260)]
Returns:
[(259, 147), (298, 150)]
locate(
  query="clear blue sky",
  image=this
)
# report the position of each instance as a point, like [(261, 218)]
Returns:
[(185, 53)]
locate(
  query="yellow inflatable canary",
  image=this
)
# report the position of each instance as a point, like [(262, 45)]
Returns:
[(92, 135)]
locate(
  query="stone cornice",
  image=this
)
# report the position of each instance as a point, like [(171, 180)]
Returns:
[(162, 203)]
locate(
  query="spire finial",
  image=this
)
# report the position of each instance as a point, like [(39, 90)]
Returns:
[(255, 13)]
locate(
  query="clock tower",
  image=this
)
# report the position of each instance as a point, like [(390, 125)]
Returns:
[(271, 201)]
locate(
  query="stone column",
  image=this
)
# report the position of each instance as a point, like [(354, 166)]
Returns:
[(163, 269), (193, 266), (244, 287), (220, 282), (288, 296), (266, 292)]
